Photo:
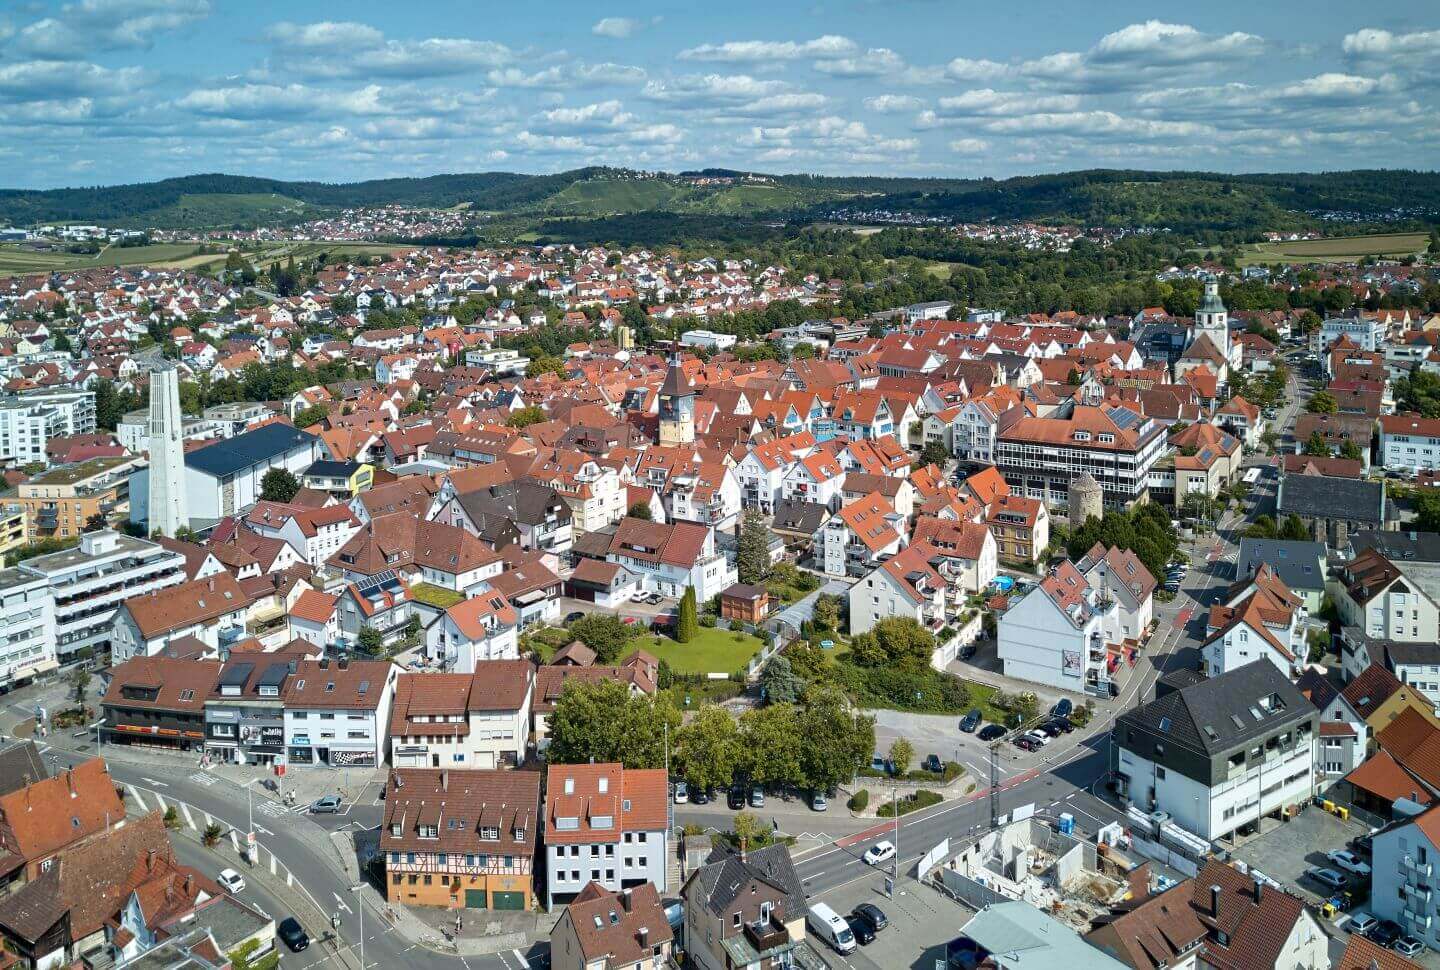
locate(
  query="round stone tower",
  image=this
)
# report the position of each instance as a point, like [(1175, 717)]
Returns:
[(1086, 500)]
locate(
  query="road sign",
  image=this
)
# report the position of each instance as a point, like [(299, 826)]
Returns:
[(250, 839), (279, 771)]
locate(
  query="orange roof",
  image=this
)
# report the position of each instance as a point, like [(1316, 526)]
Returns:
[(588, 793), (476, 616), (314, 606)]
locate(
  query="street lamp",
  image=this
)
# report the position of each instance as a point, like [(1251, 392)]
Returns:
[(358, 890)]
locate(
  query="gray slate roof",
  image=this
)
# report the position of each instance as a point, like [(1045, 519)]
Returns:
[(1398, 547), (1319, 496), (795, 516), (1300, 565), (1219, 713), (724, 873), (251, 448)]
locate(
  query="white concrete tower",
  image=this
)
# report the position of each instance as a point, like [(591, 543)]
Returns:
[(1212, 318), (169, 512)]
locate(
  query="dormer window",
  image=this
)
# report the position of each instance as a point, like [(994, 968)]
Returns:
[(602, 822), (1082, 436), (567, 822), (489, 833), (395, 829)]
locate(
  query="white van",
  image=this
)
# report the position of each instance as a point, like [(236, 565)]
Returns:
[(825, 923)]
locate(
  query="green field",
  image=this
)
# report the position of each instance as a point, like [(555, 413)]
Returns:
[(1336, 249), (712, 651)]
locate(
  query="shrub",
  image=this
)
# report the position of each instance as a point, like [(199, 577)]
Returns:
[(707, 620), (925, 690), (172, 818), (859, 800), (211, 835), (921, 798)]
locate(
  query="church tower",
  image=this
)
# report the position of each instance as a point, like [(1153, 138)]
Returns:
[(1212, 318), (168, 508), (677, 406)]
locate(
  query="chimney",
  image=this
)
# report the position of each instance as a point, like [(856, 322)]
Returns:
[(149, 860), (445, 781), (212, 584), (744, 845), (1259, 890), (644, 935), (190, 884), (625, 900), (1215, 901), (70, 782)]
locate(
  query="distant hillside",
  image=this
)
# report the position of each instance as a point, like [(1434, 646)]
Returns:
[(1185, 201)]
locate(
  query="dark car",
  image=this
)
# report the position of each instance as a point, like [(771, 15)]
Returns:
[(1049, 729), (971, 721), (1061, 724), (864, 935), (933, 763), (1025, 743), (872, 915), (1386, 932), (735, 798), (698, 796), (572, 617), (293, 934), (991, 732), (1062, 708)]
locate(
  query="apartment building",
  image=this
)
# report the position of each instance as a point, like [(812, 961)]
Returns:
[(27, 627), (206, 609), (460, 839), (1409, 442), (337, 712), (478, 720), (60, 503), (1403, 858), (1041, 456), (28, 421), (1218, 753), (669, 558), (1063, 633), (605, 824)]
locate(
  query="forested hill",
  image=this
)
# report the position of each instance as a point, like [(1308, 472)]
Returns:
[(1103, 197)]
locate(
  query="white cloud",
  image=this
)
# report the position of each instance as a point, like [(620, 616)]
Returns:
[(829, 46), (336, 37), (969, 146), (513, 77), (964, 69), (697, 90), (876, 62), (52, 80), (894, 103), (1094, 124), (602, 114), (1373, 43), (344, 49), (79, 29), (617, 27), (779, 104), (1155, 43), (987, 101)]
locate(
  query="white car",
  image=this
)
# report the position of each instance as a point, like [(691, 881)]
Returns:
[(1349, 861), (1039, 737), (879, 853), (231, 880)]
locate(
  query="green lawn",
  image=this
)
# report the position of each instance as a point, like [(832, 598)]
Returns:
[(436, 596), (712, 651)]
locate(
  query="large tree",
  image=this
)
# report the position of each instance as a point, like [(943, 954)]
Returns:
[(1322, 403), (897, 641), (601, 721), (686, 623), (279, 485), (774, 745), (779, 681), (753, 549), (604, 633), (837, 739), (709, 748)]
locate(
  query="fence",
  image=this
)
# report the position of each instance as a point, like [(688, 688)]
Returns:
[(932, 859)]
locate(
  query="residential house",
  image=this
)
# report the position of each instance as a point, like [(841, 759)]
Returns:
[(539, 514), (670, 558), (606, 824), (1403, 858), (43, 816), (746, 908), (477, 720), (1120, 575), (337, 712), (474, 632), (1300, 565), (158, 701), (1064, 632), (639, 672), (1409, 442), (211, 609), (381, 603), (856, 538), (1021, 527), (602, 930)]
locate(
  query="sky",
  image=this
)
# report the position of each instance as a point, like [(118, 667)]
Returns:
[(99, 92)]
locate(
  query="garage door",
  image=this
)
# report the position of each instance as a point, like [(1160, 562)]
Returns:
[(474, 899), (507, 900)]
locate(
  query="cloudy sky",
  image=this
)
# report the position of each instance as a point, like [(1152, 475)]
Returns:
[(104, 91)]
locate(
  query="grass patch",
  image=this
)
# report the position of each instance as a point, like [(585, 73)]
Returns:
[(1334, 249), (436, 596), (711, 651), (703, 691)]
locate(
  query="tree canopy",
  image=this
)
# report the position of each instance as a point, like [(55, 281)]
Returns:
[(601, 721)]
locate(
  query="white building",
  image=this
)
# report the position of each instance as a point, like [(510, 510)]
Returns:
[(479, 720), (1402, 862), (608, 824), (169, 504), (473, 632), (1218, 753), (30, 420), (669, 558), (708, 339), (27, 627), (209, 609), (337, 712), (1408, 441), (1366, 333), (1061, 634)]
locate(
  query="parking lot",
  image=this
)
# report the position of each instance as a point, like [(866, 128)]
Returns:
[(922, 921), (1285, 852)]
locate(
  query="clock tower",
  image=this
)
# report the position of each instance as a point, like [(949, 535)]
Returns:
[(677, 406)]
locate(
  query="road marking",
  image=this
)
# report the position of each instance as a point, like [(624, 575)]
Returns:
[(152, 781), (135, 794), (521, 957), (185, 811)]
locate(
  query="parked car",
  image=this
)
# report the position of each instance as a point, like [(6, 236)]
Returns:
[(1361, 922), (325, 805), (1385, 932), (1061, 724), (293, 934), (1328, 878), (654, 599), (699, 797), (682, 793), (861, 930), (882, 851), (1025, 742), (933, 763), (572, 617), (971, 721), (1040, 737), (1407, 946), (991, 732), (231, 881), (735, 798), (871, 914), (757, 797), (1349, 861), (818, 802), (1062, 708), (1049, 729)]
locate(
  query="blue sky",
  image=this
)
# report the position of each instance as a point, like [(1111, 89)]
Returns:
[(104, 91)]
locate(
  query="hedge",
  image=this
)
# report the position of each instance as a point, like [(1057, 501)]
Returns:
[(859, 800), (922, 798), (886, 687)]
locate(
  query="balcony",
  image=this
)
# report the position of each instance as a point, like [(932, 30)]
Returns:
[(1418, 896), (1415, 920), (767, 935), (1418, 869)]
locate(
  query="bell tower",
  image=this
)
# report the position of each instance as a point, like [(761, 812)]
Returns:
[(677, 406)]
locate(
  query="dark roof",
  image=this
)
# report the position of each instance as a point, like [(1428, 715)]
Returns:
[(796, 516), (1320, 496), (1219, 713), (333, 469), (528, 503), (725, 873), (1398, 546), (1299, 564), (20, 765), (251, 448)]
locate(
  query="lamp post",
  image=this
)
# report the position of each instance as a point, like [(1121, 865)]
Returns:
[(358, 890)]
